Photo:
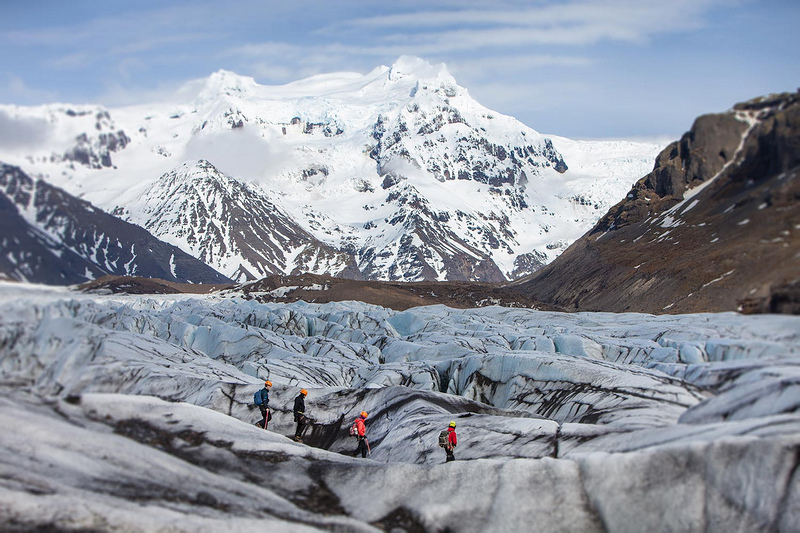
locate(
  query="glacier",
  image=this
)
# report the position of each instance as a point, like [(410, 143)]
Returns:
[(134, 413)]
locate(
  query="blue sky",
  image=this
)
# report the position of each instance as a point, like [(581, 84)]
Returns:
[(581, 69)]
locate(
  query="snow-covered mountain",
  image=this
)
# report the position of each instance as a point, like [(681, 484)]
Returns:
[(135, 413), (49, 236), (229, 223), (397, 174)]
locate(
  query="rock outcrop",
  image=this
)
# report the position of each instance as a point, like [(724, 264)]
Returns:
[(714, 227)]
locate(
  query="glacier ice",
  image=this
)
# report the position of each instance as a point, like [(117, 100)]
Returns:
[(116, 404)]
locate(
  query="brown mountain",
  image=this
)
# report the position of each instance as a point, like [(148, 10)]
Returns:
[(714, 227)]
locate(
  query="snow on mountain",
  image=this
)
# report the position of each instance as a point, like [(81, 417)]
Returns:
[(399, 168), (232, 224), (49, 236), (135, 413)]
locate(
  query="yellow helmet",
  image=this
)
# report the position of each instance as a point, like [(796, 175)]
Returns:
[(364, 414), (304, 392), (452, 424), (268, 383)]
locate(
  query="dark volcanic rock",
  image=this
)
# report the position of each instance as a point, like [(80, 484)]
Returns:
[(714, 227), (427, 239), (96, 153), (698, 156)]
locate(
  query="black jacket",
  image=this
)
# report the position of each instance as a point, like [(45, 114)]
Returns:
[(299, 407), (265, 397)]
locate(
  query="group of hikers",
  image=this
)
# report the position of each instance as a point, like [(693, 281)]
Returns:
[(447, 438)]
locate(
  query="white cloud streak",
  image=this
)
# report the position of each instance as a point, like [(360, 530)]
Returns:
[(576, 23)]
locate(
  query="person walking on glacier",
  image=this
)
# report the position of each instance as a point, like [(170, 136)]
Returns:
[(261, 399), (448, 441), (300, 415), (360, 430)]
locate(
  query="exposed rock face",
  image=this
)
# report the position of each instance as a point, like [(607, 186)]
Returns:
[(52, 237), (96, 153), (428, 247), (469, 154), (714, 227), (93, 150)]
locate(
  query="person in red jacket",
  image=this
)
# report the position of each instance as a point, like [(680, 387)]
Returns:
[(452, 441), (361, 435)]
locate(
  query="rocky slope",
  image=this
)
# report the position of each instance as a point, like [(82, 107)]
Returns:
[(714, 227), (51, 237)]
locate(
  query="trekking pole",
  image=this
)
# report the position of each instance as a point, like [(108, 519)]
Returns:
[(369, 452), (266, 419)]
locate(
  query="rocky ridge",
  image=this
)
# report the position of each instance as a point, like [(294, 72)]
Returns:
[(236, 225), (714, 227), (51, 237)]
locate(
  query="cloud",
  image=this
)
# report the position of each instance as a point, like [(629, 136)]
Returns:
[(20, 133), (503, 50), (472, 72), (123, 35), (577, 23), (243, 155), (279, 62), (471, 32)]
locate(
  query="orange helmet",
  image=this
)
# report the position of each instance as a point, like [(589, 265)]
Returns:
[(268, 383), (364, 414), (304, 392)]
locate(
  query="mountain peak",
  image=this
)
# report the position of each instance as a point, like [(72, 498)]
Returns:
[(424, 76), (227, 82), (417, 68)]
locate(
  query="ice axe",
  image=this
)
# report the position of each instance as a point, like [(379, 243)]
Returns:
[(369, 452), (266, 419)]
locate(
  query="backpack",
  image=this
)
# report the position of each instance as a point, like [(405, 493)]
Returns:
[(444, 440), (354, 430), (257, 398)]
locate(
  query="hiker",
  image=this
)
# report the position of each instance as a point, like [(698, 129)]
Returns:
[(261, 399), (451, 443), (361, 435), (300, 414)]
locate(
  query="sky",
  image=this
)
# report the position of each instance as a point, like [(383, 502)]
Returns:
[(584, 69)]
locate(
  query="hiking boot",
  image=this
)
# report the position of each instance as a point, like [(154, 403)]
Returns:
[(298, 439)]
